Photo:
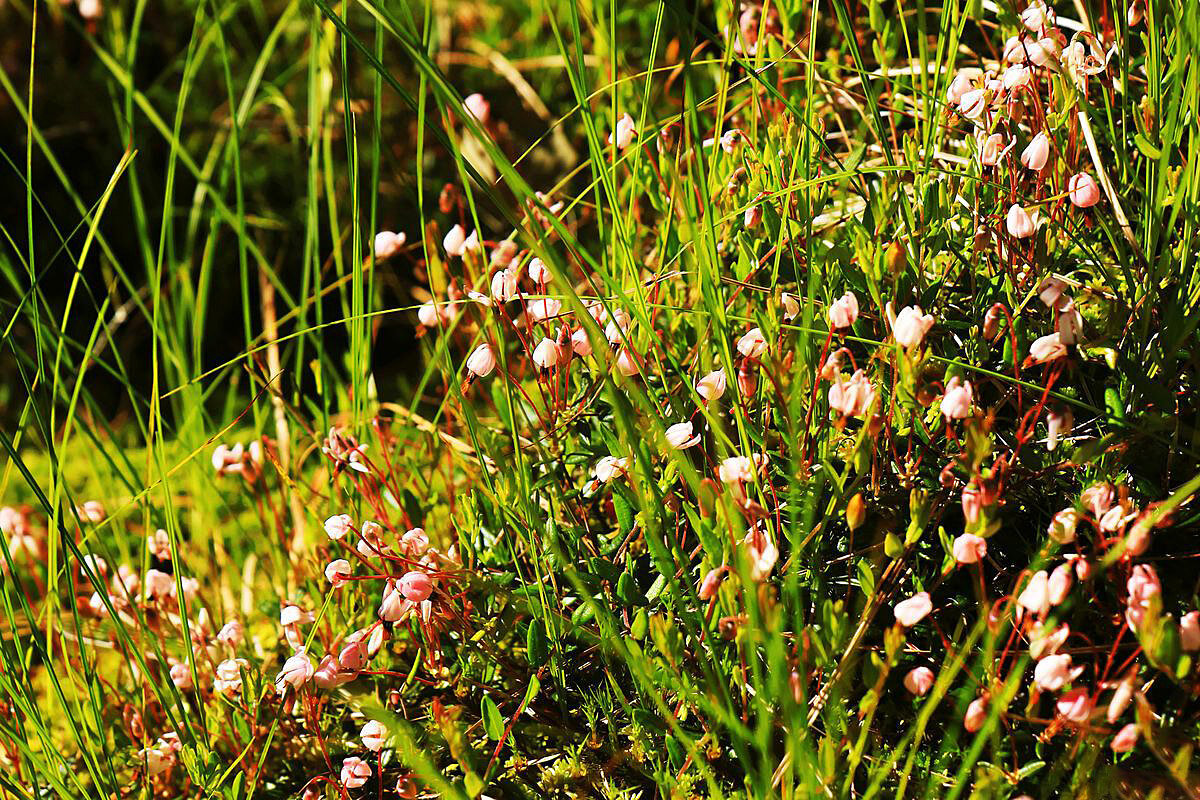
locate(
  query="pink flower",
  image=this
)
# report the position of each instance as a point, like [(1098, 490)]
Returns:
[(454, 240), (843, 311), (394, 606), (229, 676), (1037, 17), (1189, 631), (373, 736), (752, 344), (1083, 190), (1120, 700), (478, 107), (353, 655), (993, 150), (1036, 153), (712, 385), (1035, 598), (580, 343), (910, 326), (737, 469), (1058, 423), (416, 586), (1125, 739), (1047, 348), (969, 548), (627, 363), (338, 526), (1098, 498), (679, 436), (1142, 585), (762, 553), (156, 760), (976, 715), (852, 398), (624, 134), (1043, 642), (1075, 706), (482, 361), (547, 354), (329, 674), (919, 681), (1062, 526), (1016, 76), (911, 611), (296, 672), (414, 543), (711, 582), (387, 244), (1053, 672), (1018, 222), (961, 84), (956, 402), (231, 634), (791, 306), (181, 676), (731, 140), (610, 467), (1059, 584), (972, 104), (337, 572), (355, 772)]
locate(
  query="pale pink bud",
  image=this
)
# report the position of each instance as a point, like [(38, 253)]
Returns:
[(844, 311), (973, 103), (752, 344), (544, 308), (394, 606), (231, 634), (624, 134), (1035, 597), (1075, 706), (976, 715), (1043, 643), (1016, 76), (1062, 526), (355, 772), (753, 216), (454, 240), (1059, 584), (580, 343), (919, 681), (991, 321), (1098, 498), (972, 503), (482, 361), (711, 582), (427, 315), (911, 611), (1047, 348), (416, 586), (1037, 17), (373, 736), (617, 325), (993, 150), (296, 672), (956, 402), (610, 467), (158, 584), (338, 526), (1142, 585), (1120, 700), (1126, 739), (478, 107), (961, 84), (181, 676), (91, 9), (228, 678), (414, 543), (504, 286), (387, 244), (337, 572), (1070, 322), (852, 398), (547, 354), (910, 326), (736, 469), (1083, 190), (1018, 222), (1053, 672), (791, 306), (762, 553), (155, 760), (353, 655), (969, 548), (712, 385), (1037, 152), (731, 140), (503, 256), (1058, 423), (680, 437), (1189, 631), (328, 674), (538, 272), (627, 363)]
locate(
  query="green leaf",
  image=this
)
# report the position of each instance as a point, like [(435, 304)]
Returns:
[(536, 646), (493, 723)]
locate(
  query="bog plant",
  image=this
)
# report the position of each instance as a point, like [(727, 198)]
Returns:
[(825, 426)]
